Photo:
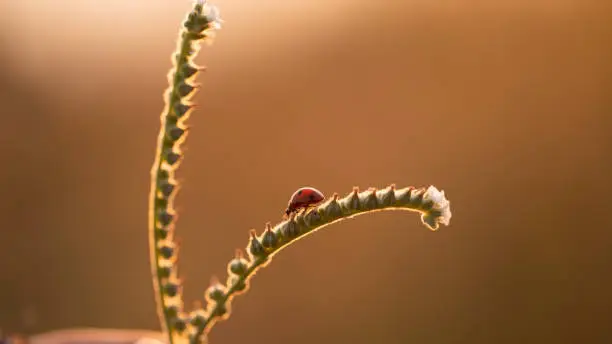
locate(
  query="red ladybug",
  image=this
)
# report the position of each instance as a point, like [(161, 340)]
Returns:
[(304, 198)]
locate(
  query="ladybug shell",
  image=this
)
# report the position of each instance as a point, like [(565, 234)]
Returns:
[(303, 198)]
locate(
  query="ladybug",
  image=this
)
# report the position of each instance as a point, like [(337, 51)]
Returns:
[(304, 198)]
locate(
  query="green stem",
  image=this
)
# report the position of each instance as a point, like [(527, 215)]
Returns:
[(431, 203), (156, 206), (197, 26)]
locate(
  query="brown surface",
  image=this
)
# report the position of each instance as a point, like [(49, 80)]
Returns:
[(96, 336), (505, 106)]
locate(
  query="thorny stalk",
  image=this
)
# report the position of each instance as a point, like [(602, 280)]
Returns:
[(431, 203), (193, 327), (199, 25)]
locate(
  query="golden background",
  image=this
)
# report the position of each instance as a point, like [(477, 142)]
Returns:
[(505, 105)]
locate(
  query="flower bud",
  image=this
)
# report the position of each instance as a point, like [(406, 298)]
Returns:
[(386, 197), (403, 195), (180, 109), (351, 202), (172, 157), (368, 199), (175, 133), (255, 247), (312, 218), (171, 287), (216, 292), (166, 188), (269, 239), (184, 89), (165, 268), (165, 218), (238, 266), (290, 229), (180, 323), (198, 317), (166, 249), (333, 209), (188, 70)]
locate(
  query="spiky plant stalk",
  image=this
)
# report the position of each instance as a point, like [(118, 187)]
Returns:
[(199, 25), (193, 328), (431, 203)]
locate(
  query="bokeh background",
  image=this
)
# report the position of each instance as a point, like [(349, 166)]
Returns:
[(503, 104)]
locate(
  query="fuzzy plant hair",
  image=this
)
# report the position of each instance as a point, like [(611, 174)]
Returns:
[(192, 326)]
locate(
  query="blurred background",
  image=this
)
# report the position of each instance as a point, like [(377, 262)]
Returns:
[(505, 105)]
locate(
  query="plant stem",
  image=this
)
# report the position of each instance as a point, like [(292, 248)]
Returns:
[(431, 203), (197, 26)]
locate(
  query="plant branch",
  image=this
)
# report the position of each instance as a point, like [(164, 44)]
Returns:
[(199, 25), (431, 203)]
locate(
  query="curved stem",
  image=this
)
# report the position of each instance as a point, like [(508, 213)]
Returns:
[(431, 203)]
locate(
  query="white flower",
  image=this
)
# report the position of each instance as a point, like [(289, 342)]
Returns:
[(212, 15), (440, 212)]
